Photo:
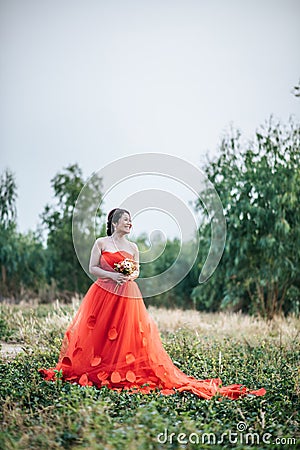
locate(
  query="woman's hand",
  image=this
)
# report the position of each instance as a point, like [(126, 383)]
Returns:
[(118, 277), (133, 276)]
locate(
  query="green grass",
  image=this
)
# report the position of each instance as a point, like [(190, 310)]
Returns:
[(36, 414)]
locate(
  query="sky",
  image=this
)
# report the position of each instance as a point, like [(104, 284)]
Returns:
[(91, 82)]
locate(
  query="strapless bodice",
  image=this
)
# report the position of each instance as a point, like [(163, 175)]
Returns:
[(108, 259)]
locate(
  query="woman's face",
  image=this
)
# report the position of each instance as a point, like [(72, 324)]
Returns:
[(124, 224)]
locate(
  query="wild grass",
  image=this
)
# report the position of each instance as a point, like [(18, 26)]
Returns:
[(239, 349)]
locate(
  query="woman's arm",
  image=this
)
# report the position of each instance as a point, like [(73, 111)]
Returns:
[(136, 258), (94, 268)]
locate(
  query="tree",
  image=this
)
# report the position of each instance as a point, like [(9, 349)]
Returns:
[(8, 214), (8, 197), (21, 255), (259, 186), (62, 263), (180, 295)]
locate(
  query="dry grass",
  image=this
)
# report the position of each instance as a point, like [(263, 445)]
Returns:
[(32, 324), (228, 325)]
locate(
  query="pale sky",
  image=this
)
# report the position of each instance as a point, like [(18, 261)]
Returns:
[(93, 81)]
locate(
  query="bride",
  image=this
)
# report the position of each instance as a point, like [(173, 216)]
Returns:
[(112, 341)]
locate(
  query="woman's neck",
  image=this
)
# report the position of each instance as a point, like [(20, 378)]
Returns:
[(117, 237)]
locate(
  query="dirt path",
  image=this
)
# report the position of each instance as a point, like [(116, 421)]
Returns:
[(9, 350)]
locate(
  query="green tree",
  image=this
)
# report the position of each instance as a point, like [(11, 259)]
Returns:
[(62, 263), (259, 186), (21, 255), (8, 215), (28, 276), (8, 197), (180, 295)]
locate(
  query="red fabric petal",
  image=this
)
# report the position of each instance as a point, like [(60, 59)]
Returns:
[(258, 392), (102, 375), (77, 351), (48, 374), (91, 322), (83, 380), (130, 358), (96, 361), (66, 361), (112, 334), (115, 377), (130, 376)]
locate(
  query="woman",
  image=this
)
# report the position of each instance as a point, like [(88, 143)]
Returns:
[(112, 341)]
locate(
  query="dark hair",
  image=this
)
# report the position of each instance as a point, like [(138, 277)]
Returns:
[(113, 216)]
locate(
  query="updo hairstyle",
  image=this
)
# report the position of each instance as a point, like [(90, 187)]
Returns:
[(114, 216)]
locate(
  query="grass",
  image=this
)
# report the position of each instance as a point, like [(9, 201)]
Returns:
[(239, 349)]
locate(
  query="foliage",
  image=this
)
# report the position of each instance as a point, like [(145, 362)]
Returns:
[(62, 263), (8, 196), (259, 186), (21, 255), (40, 415), (180, 294)]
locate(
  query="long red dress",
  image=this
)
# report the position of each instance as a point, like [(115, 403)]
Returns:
[(112, 341)]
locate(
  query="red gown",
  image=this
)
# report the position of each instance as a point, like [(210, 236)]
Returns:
[(112, 341)]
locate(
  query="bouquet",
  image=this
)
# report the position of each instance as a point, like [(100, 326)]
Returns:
[(126, 267)]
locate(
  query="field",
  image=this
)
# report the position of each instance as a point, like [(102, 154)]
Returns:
[(36, 414)]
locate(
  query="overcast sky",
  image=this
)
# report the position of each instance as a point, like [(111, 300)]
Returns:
[(93, 81)]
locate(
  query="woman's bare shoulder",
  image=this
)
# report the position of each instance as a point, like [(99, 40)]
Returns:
[(100, 242), (134, 246)]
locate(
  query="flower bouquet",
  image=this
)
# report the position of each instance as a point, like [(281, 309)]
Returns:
[(126, 267)]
